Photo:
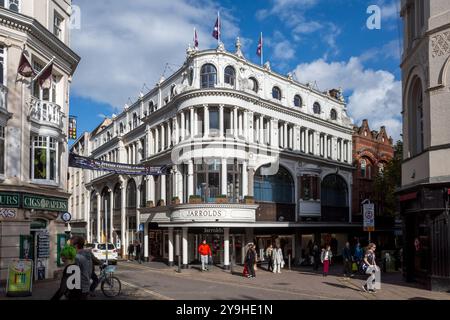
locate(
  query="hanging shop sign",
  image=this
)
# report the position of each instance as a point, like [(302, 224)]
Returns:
[(66, 217), (19, 282), (44, 203), (76, 161), (72, 127)]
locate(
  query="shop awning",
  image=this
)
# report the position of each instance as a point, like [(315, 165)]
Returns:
[(408, 196)]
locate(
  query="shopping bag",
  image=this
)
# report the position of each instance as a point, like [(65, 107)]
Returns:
[(354, 267), (210, 261)]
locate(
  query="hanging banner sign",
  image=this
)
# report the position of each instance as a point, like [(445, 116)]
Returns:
[(72, 128), (76, 161)]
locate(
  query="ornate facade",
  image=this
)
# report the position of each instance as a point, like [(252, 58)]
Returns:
[(255, 156)]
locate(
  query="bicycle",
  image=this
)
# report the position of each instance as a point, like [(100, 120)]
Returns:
[(110, 284)]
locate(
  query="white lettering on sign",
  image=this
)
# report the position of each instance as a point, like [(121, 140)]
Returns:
[(74, 279), (204, 213), (7, 213)]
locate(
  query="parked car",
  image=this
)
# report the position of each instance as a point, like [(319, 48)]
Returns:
[(99, 251)]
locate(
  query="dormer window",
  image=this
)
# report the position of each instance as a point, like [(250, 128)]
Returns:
[(316, 108), (254, 85), (298, 101), (276, 93), (208, 76), (13, 5), (58, 26), (230, 76), (135, 120), (333, 114)]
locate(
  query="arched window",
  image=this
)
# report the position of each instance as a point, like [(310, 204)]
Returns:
[(14, 5), (230, 75), (317, 108), (151, 107), (172, 91), (276, 93), (278, 188), (363, 166), (131, 194), (416, 138), (334, 198), (254, 83), (121, 128), (298, 101), (117, 198), (208, 76), (333, 114)]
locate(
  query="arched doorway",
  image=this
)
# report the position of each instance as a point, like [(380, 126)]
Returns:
[(335, 204)]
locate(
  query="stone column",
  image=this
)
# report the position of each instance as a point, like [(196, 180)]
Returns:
[(99, 221), (163, 137), (245, 126), (192, 122), (111, 222), (190, 179), (235, 121), (306, 140), (123, 199), (285, 135), (315, 143), (148, 151), (240, 123), (185, 247), (138, 206), (156, 140), (146, 242), (334, 148), (195, 121), (170, 246), (169, 134), (244, 179), (151, 189), (350, 151), (251, 127), (261, 129), (223, 189), (297, 138), (163, 189), (179, 183), (206, 120), (274, 133), (183, 126), (226, 250), (176, 129), (221, 120), (251, 175)]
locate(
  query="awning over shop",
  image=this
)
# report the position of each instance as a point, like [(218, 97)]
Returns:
[(408, 196)]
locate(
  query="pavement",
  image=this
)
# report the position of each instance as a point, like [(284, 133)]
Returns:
[(157, 281)]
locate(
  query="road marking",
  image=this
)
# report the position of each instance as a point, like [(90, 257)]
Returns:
[(153, 293)]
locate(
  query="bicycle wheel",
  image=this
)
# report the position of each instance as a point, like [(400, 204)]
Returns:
[(111, 286)]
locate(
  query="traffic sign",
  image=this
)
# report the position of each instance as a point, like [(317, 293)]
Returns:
[(369, 217)]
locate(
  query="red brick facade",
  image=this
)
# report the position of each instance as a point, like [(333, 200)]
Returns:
[(371, 149)]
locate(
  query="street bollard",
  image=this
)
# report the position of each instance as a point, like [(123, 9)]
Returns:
[(179, 264), (289, 261)]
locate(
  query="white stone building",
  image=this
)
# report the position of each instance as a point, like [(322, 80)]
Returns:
[(33, 131), (219, 121)]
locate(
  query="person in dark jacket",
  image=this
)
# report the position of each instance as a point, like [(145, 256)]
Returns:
[(138, 252), (130, 251), (347, 259), (94, 277), (250, 260), (316, 255), (68, 254)]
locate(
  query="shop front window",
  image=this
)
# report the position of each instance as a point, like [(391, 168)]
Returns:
[(207, 180), (310, 187), (44, 164), (234, 181)]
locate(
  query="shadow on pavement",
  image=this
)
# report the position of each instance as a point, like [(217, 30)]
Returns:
[(341, 286)]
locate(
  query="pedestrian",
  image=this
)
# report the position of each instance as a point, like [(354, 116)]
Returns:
[(316, 255), (68, 254), (278, 261), (205, 253), (94, 277), (359, 254), (326, 259), (130, 251), (370, 267), (138, 252), (269, 255), (347, 259), (250, 260), (84, 261)]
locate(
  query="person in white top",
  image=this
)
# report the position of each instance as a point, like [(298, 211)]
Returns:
[(326, 259), (278, 260)]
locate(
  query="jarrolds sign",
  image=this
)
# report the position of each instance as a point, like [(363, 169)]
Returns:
[(205, 214)]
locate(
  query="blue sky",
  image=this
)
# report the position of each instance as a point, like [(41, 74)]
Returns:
[(126, 44)]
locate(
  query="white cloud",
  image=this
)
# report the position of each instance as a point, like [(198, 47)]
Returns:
[(390, 50), (286, 8), (124, 46), (283, 50), (374, 94)]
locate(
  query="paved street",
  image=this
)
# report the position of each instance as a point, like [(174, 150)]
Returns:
[(155, 281)]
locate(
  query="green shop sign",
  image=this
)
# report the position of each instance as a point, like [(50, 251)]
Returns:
[(9, 200), (43, 203)]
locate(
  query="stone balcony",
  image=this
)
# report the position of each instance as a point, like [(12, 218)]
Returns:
[(46, 113)]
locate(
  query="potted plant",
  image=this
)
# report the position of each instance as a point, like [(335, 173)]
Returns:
[(221, 199), (194, 199), (176, 200), (249, 200), (161, 203), (150, 204)]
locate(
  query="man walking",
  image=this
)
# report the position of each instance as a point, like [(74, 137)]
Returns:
[(269, 255), (316, 255), (205, 252), (347, 258), (278, 260), (130, 251), (138, 252), (84, 261)]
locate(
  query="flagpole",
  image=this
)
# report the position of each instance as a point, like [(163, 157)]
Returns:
[(218, 28), (262, 50), (43, 69)]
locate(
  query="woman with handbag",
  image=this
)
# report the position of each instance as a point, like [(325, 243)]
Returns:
[(278, 261), (326, 259), (369, 266)]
